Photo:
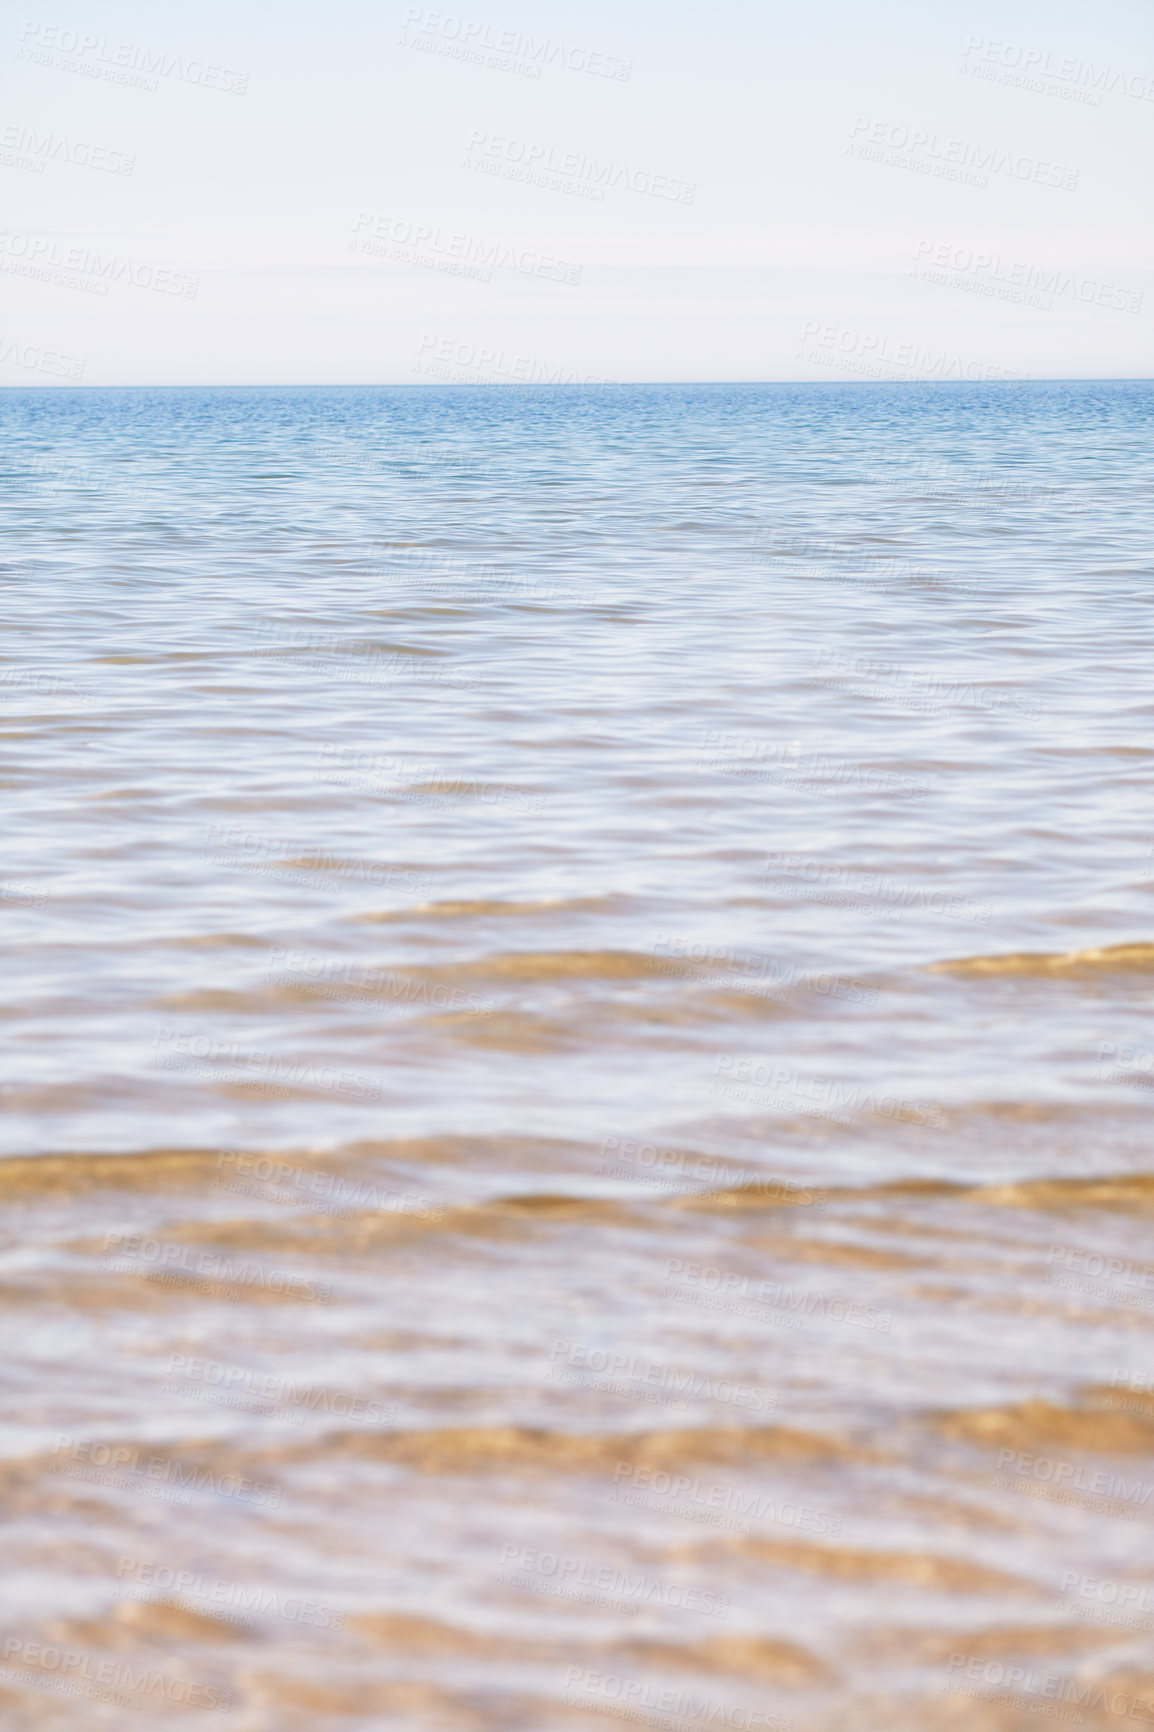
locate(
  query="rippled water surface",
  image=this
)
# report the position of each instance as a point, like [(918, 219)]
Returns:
[(577, 972)]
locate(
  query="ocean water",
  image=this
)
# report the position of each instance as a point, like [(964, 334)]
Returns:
[(577, 971)]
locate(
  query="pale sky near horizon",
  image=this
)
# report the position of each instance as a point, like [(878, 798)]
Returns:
[(390, 193)]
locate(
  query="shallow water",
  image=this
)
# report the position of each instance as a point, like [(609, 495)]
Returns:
[(578, 969)]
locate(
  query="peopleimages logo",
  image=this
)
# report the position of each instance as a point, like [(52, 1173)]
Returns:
[(449, 358), (854, 887), (719, 1505), (1004, 279), (504, 50), (1130, 1604), (1128, 1064), (1071, 1476), (573, 1577), (202, 1375), (1028, 66), (24, 147), (233, 1597), (650, 1379), (639, 1699), (671, 1166), (690, 960), (39, 253), (590, 175), (1118, 1270), (37, 360), (872, 354), (407, 243), (330, 977), (126, 1465), (829, 1095), (23, 895), (121, 62), (342, 1195), (699, 1283), (951, 158), (179, 1265), (73, 1672), (791, 763), (1025, 1687)]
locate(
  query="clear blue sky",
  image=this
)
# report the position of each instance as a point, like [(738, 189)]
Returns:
[(389, 193)]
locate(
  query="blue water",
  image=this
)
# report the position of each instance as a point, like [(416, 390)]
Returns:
[(629, 911)]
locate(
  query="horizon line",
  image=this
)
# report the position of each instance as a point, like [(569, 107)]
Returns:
[(564, 384)]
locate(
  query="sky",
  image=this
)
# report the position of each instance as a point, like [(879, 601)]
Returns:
[(394, 194)]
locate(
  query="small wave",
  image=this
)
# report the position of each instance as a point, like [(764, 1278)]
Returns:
[(508, 1031), (764, 1657), (1098, 1428), (1113, 958), (349, 1230), (531, 966), (1131, 1193), (752, 1004), (497, 1449), (1119, 1395), (210, 941), (323, 1698), (151, 1170), (1128, 1192), (77, 1171), (149, 1621), (856, 1564), (416, 1635), (938, 1647), (480, 908), (761, 1194), (215, 998)]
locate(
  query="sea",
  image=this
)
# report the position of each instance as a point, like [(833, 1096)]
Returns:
[(577, 969)]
